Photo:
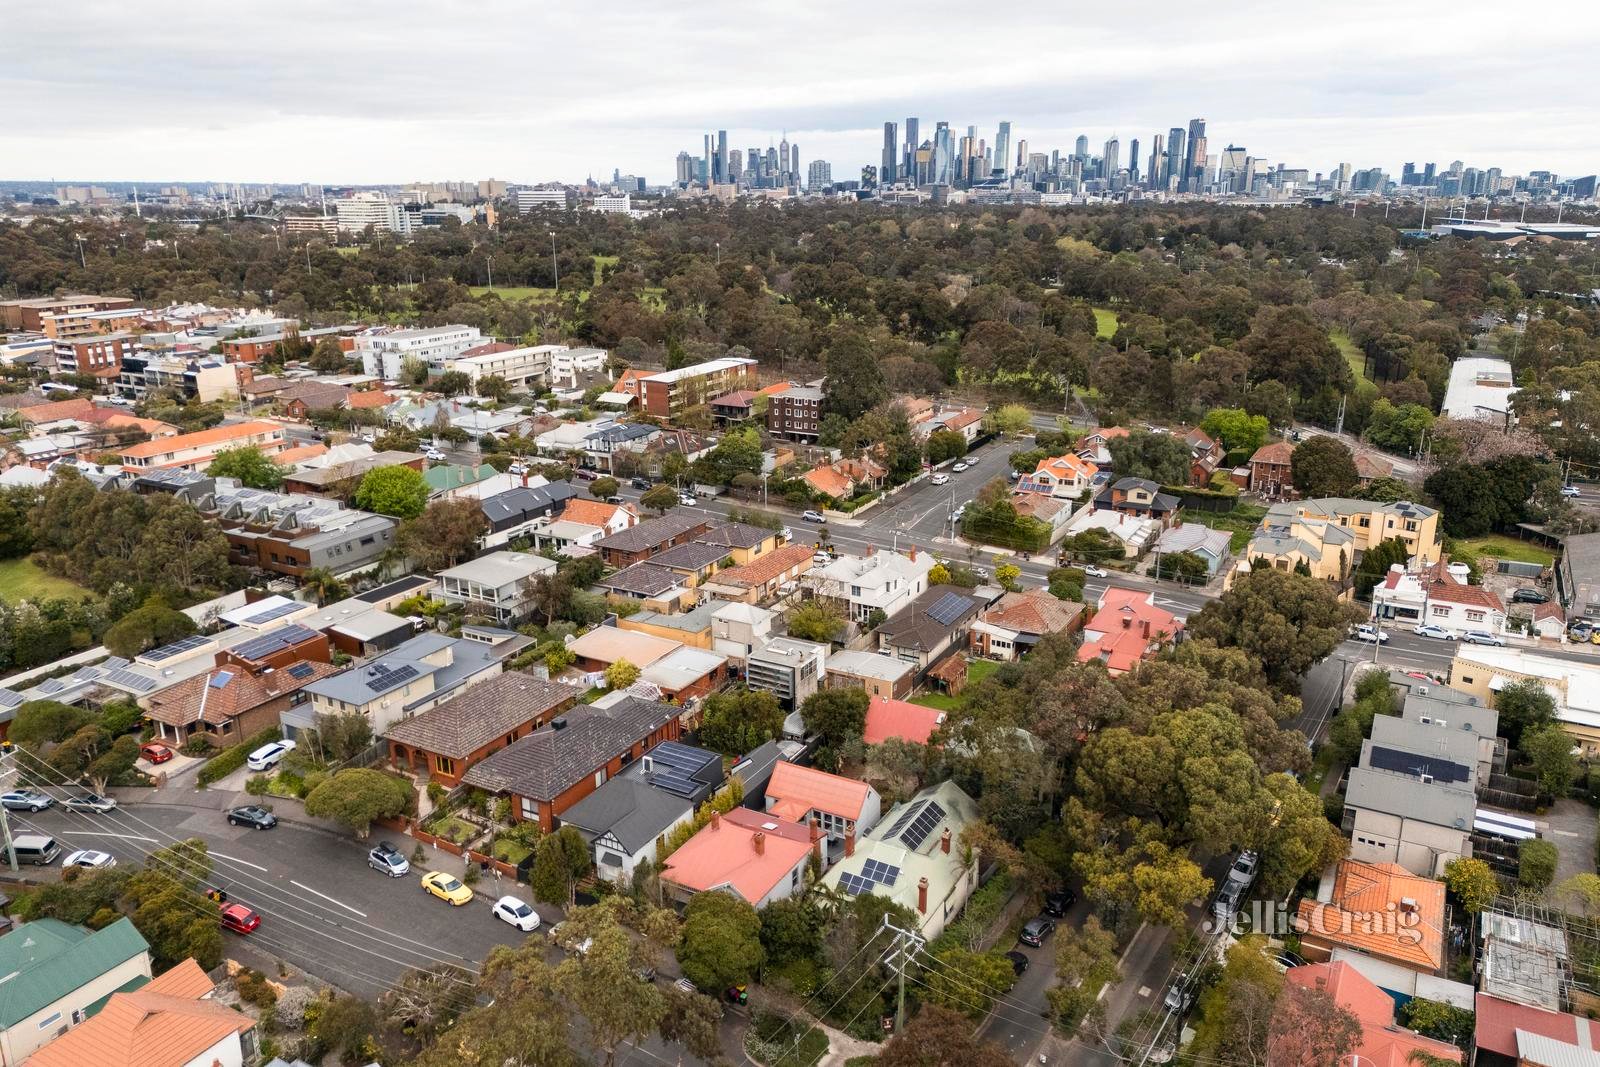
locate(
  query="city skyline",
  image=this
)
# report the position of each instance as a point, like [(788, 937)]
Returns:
[(108, 100)]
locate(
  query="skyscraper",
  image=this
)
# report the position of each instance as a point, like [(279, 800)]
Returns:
[(891, 154), (1430, 173), (735, 165), (783, 160), (1022, 153), (1081, 149), (1231, 171), (1194, 164), (909, 168), (721, 175), (685, 169), (943, 154), (1133, 161), (819, 175), (1176, 160), (1156, 177), (1002, 147), (794, 164), (1110, 159)]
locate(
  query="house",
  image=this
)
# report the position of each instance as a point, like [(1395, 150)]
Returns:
[(195, 451), (880, 675), (520, 510), (174, 1020), (1382, 1041), (55, 975), (1480, 387), (733, 408), (842, 807), (657, 588), (337, 472), (1054, 512), (829, 480), (559, 764), (299, 400), (1524, 960), (1578, 575), (788, 668), (1508, 1034), (1205, 456), (754, 769), (424, 671), (1140, 498), (741, 541), (1093, 446), (1127, 628), (1437, 594), (1484, 670), (900, 720), (292, 533), (441, 743), (239, 698), (1441, 706), (764, 578), (930, 626), (1065, 477), (915, 858), (624, 821), (580, 523), (753, 856), (449, 481), (687, 674), (1412, 798), (1409, 934), (693, 563), (652, 537), (1371, 468), (738, 629), (1016, 622), (1370, 523), (1210, 545), (605, 645), (685, 771), (1289, 542), (878, 581), (1271, 473), (495, 584), (691, 628), (602, 446)]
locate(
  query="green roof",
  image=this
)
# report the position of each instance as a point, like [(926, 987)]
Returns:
[(449, 476), (44, 960)]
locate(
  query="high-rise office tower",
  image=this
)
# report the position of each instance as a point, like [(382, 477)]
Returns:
[(1173, 179), (735, 165), (1002, 146), (1157, 164), (1133, 161), (1341, 177), (1081, 149), (1022, 153), (685, 169), (891, 153), (943, 154), (708, 175), (1110, 159), (909, 168), (819, 175), (1231, 169), (783, 160), (722, 156), (794, 164), (1194, 163), (1430, 173), (771, 173), (1408, 174)]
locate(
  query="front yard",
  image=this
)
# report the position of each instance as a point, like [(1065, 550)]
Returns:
[(1240, 523)]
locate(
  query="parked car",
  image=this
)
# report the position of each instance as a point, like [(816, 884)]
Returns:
[(1570, 491), (1096, 572), (813, 516), (446, 887), (585, 474), (517, 913), (641, 484), (822, 558), (1036, 929), (1368, 633), (435, 455), (1179, 998), (960, 466), (1482, 637), (1057, 903), (26, 800), (687, 500), (940, 479), (269, 755), (253, 817), (239, 919), (516, 468), (90, 803), (155, 752), (1226, 906), (1580, 631), (1019, 962), (386, 858), (1243, 870), (1529, 595), (95, 861), (1438, 633)]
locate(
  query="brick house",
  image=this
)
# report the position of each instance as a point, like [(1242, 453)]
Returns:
[(445, 741), (1269, 469), (559, 764), (1139, 497), (228, 704), (651, 537)]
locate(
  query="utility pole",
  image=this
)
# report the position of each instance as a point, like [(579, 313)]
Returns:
[(5, 822), (1339, 426), (907, 943)]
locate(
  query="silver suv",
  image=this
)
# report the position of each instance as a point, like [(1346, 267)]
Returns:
[(386, 858)]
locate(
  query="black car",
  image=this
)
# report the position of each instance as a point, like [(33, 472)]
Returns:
[(1529, 595), (1036, 929), (1057, 903), (1019, 962), (640, 483), (253, 817)]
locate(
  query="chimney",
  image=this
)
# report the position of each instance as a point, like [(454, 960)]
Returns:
[(759, 840), (913, 553), (816, 831), (850, 844), (872, 550), (716, 820), (1144, 628), (524, 476), (922, 895), (944, 841), (1127, 623)]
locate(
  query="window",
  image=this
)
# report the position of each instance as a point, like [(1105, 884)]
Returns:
[(1441, 611), (50, 1020), (1474, 616), (529, 808), (444, 765)]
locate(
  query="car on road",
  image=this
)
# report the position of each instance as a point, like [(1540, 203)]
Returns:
[(822, 557), (386, 858), (641, 484), (269, 755), (1019, 962), (90, 802), (1057, 903), (1096, 572), (940, 479), (1226, 906), (1438, 633), (446, 887), (95, 861), (585, 474), (813, 516), (516, 468), (1036, 929), (26, 800), (1482, 637), (1529, 595), (1570, 491), (1368, 633), (517, 913), (959, 467), (155, 752), (239, 919), (435, 455), (253, 817), (1180, 997), (687, 500), (955, 516), (1243, 870)]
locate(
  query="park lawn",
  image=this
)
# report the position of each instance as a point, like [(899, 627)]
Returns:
[(601, 263), (20, 578), (1502, 547), (1352, 355), (1105, 323), (515, 292)]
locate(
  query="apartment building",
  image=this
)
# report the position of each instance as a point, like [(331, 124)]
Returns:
[(670, 393), (290, 533), (522, 367), (66, 325), (383, 351), (495, 584), (878, 581), (1371, 523), (795, 414), (97, 356), (204, 380), (534, 199), (357, 212), (29, 314), (195, 451), (788, 668), (569, 366)]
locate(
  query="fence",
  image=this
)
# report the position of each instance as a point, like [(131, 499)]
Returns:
[(1504, 791), (1519, 570), (1497, 852)]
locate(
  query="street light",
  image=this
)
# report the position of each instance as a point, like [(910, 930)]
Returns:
[(81, 258), (554, 262), (491, 272), (719, 253)]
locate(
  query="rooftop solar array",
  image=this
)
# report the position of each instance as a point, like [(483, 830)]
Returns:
[(929, 817), (382, 677), (51, 685), (905, 818), (874, 874), (948, 608), (8, 699), (302, 670), (1438, 768), (133, 681), (674, 782), (176, 648), (277, 611), (220, 679), (115, 663), (268, 643)]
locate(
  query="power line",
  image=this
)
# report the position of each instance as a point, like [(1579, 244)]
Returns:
[(840, 1000)]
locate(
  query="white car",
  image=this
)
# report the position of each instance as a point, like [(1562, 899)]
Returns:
[(1438, 633), (959, 467), (822, 557), (1368, 633), (1481, 637), (1096, 572), (435, 455), (940, 479), (95, 861), (517, 913), (687, 500), (269, 755), (516, 468), (1570, 491)]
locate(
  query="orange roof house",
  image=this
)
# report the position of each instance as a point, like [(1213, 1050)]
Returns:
[(1380, 910), (775, 388), (761, 577), (1127, 628), (192, 451), (845, 807), (612, 517), (79, 407), (752, 855), (898, 718), (828, 481), (368, 398), (300, 454), (1383, 1044), (169, 1022), (628, 381)]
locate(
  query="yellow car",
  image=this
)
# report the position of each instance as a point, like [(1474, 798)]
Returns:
[(446, 887)]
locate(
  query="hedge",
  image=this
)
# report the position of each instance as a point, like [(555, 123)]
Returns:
[(229, 760), (1021, 534)]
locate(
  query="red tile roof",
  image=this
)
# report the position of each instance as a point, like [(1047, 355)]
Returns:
[(217, 435), (1365, 889), (1033, 611), (1068, 467), (225, 693), (827, 481), (897, 718), (590, 512), (795, 790), (724, 854), (763, 569), (1442, 585), (489, 349), (1499, 1020), (80, 407), (1278, 453), (1383, 1044), (1130, 628), (368, 398)]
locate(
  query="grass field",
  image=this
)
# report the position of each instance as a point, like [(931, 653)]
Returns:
[(1502, 547), (515, 292), (21, 578), (1105, 322), (1352, 354), (347, 250), (1241, 522)]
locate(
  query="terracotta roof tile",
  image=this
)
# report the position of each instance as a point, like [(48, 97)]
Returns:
[(1365, 889), (590, 512), (763, 569), (1033, 611), (1278, 452), (898, 718), (1383, 1044), (225, 693), (724, 854), (217, 435), (809, 789)]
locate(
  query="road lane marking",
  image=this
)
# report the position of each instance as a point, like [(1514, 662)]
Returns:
[(101, 833), (329, 899), (236, 859)]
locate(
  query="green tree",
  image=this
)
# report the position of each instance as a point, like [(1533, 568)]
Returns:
[(523, 1018), (1375, 564), (1438, 1020), (740, 720), (344, 1025), (855, 383), (1536, 864), (398, 491), (1161, 457), (357, 796), (328, 357), (1235, 1014), (1549, 749), (1066, 583), (660, 498), (559, 861), (621, 674), (940, 575), (1012, 420), (16, 538), (1475, 499), (791, 930), (170, 910), (494, 387), (445, 534), (602, 982), (721, 941), (1524, 706), (45, 722), (452, 383), (147, 627), (1182, 567), (603, 487), (1237, 429), (1472, 882), (1398, 428), (1323, 466), (946, 445), (970, 982), (181, 550), (1298, 838), (323, 585), (249, 465), (937, 1037), (1286, 621), (815, 620), (835, 715), (1086, 961), (1006, 574)]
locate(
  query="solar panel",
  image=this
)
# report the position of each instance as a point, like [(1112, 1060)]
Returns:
[(905, 818), (389, 677), (277, 611), (923, 825), (1437, 767), (8, 699), (674, 783), (113, 663), (51, 685), (948, 608), (268, 643), (878, 871), (680, 757), (220, 679), (176, 648), (854, 884), (302, 670), (86, 674), (131, 680)]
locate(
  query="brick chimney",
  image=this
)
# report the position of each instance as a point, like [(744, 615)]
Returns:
[(944, 841), (759, 841), (1144, 628), (850, 844), (872, 550), (913, 553), (716, 820), (922, 895)]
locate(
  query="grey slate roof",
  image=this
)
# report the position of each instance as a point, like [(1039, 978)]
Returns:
[(632, 811), (652, 532), (523, 503), (643, 578), (492, 709), (549, 761), (735, 535), (914, 628), (1411, 798), (692, 556), (1436, 742)]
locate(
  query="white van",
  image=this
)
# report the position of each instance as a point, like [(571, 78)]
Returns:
[(40, 850)]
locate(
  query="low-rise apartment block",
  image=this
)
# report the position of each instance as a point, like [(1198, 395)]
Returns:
[(195, 451), (796, 414), (670, 393), (383, 351), (495, 585)]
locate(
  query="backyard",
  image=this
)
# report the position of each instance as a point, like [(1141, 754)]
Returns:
[(21, 578), (977, 671), (1502, 547), (1241, 522)]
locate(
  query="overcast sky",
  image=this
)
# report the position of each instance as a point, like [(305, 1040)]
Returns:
[(349, 92)]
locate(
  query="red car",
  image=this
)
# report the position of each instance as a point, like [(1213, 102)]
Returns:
[(239, 919), (155, 752)]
